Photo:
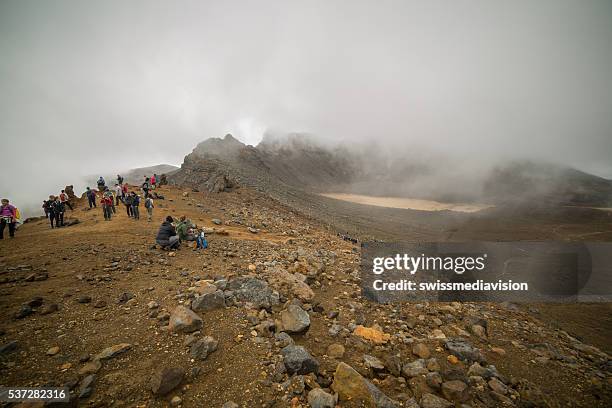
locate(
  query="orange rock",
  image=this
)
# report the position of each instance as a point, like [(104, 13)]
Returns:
[(373, 335), (452, 359)]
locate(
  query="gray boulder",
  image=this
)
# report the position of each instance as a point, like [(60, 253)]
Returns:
[(295, 319), (208, 301), (253, 290), (203, 347), (299, 361)]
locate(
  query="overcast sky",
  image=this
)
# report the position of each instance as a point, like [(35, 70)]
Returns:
[(89, 87)]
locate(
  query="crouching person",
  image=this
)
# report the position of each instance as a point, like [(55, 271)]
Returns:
[(166, 236)]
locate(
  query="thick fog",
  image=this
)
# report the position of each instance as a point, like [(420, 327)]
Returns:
[(97, 87)]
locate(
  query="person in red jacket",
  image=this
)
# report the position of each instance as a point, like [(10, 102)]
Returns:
[(107, 206), (64, 199)]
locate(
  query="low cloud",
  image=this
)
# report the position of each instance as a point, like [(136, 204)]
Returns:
[(90, 88)]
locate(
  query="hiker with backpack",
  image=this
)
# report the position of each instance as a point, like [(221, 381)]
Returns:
[(149, 206), (51, 209), (153, 181), (91, 197), (145, 187), (118, 193), (101, 184), (124, 190), (119, 179), (58, 211), (166, 236), (127, 200), (108, 193), (8, 216), (135, 204), (45, 207), (107, 206), (64, 199)]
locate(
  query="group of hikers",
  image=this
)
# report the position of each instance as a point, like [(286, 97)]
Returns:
[(170, 235), (55, 207), (120, 194), (109, 198)]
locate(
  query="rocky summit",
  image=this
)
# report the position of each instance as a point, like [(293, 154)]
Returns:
[(274, 318)]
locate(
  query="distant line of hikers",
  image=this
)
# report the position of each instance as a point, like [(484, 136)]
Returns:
[(169, 236), (109, 199)]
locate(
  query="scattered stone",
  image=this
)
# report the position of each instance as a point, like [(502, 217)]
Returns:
[(8, 347), (209, 301), (437, 334), (86, 388), (295, 319), (203, 347), (84, 299), (335, 350), (479, 331), (183, 320), (217, 221), (455, 390), (480, 371), (176, 401), (254, 291), (100, 304), (35, 302), (351, 386), (432, 401), (463, 350), (373, 363), (452, 359), (152, 305), (91, 367), (24, 311), (317, 398), (289, 284), (49, 308), (434, 380), (283, 339), (230, 404), (203, 287), (53, 351), (371, 334), (299, 361), (498, 386), (421, 350), (166, 379), (124, 297), (113, 351), (414, 368)]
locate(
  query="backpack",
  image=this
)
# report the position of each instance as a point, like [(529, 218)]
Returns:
[(58, 207), (148, 203)]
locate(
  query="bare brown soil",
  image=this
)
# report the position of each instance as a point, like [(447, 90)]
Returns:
[(104, 259)]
